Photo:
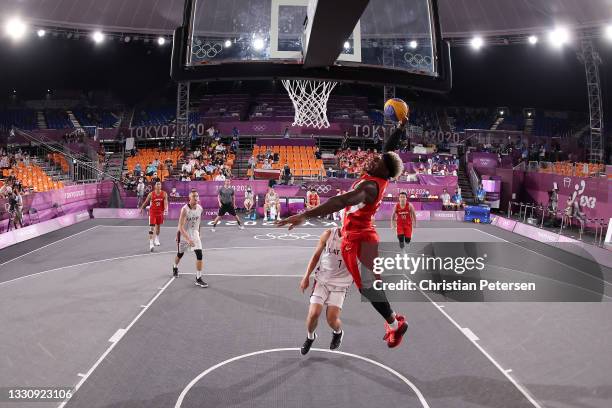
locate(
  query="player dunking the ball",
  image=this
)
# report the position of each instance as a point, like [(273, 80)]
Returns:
[(188, 236), (403, 219), (359, 237), (159, 207)]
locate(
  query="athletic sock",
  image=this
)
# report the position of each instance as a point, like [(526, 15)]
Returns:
[(198, 274), (175, 266), (337, 332), (311, 336), (394, 324)]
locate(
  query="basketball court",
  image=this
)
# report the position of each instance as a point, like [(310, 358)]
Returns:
[(124, 333)]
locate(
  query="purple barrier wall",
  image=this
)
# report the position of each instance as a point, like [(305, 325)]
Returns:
[(33, 231), (483, 160), (252, 127), (449, 182), (261, 141), (593, 193)]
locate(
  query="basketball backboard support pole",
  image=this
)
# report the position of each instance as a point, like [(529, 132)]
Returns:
[(326, 30)]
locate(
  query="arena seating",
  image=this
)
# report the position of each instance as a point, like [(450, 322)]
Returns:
[(33, 176), (221, 108), (301, 159), (574, 169), (94, 117), (21, 118), (145, 156)]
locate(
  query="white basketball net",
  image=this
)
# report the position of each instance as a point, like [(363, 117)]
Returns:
[(309, 101)]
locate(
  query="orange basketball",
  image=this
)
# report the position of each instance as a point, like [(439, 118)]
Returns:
[(396, 110)]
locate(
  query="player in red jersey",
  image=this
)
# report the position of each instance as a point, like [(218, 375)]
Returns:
[(403, 219), (159, 207), (312, 198), (360, 239)]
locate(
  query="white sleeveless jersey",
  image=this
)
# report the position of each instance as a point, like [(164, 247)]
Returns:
[(193, 217), (332, 269)]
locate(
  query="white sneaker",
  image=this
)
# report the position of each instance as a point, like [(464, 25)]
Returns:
[(157, 242), (241, 227), (213, 229), (151, 246)]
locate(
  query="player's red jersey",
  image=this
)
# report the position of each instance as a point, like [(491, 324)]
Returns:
[(313, 199), (360, 217), (157, 203), (404, 221)]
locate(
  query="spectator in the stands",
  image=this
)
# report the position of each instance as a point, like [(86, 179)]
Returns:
[(446, 200), (252, 162), (267, 165), (317, 154), (480, 194), (275, 157), (220, 177), (426, 194), (155, 178), (150, 169), (174, 193), (235, 133), (186, 167), (272, 202), (137, 170), (199, 173), (285, 176), (345, 141), (140, 190), (457, 200), (286, 134), (185, 176), (197, 153)]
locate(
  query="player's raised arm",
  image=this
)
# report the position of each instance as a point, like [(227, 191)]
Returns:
[(314, 260), (392, 143), (365, 192)]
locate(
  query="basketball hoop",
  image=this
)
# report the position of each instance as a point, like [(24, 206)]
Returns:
[(309, 101)]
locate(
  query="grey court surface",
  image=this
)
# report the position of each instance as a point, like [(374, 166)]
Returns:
[(90, 307)]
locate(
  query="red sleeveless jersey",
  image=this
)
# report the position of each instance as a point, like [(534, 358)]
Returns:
[(403, 214), (312, 200), (360, 217), (157, 202)]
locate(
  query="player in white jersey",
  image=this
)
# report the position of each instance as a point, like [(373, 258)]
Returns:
[(332, 280), (188, 236)]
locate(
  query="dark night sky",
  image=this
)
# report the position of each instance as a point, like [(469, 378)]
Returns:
[(515, 76)]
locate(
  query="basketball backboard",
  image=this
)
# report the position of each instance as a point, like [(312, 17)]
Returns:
[(394, 42)]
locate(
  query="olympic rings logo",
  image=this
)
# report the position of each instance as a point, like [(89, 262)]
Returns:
[(290, 236), (259, 128), (417, 60), (206, 49), (320, 188)]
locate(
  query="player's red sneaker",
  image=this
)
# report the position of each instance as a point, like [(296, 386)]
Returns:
[(394, 337)]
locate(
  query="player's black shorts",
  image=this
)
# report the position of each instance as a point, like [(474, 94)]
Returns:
[(227, 209)]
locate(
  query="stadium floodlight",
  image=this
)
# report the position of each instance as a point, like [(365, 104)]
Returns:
[(608, 32), (15, 28), (413, 44), (532, 39), (258, 44), (161, 41), (347, 45), (228, 43), (97, 37), (41, 33), (477, 43), (558, 37)]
